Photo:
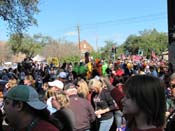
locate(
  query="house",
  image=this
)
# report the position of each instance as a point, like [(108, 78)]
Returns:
[(85, 47)]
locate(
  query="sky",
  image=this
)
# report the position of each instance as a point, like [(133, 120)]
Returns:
[(98, 20)]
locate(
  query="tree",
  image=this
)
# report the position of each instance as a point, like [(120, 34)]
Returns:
[(19, 14), (147, 40), (106, 50), (5, 52), (43, 40), (61, 49), (15, 42), (24, 44), (95, 54), (132, 44)]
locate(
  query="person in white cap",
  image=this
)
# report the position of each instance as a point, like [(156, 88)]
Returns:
[(56, 85)]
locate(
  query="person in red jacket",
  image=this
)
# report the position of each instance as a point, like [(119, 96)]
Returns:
[(143, 103)]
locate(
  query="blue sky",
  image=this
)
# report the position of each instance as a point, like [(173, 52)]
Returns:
[(99, 20)]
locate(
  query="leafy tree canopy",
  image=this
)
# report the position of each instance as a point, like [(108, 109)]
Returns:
[(106, 50), (26, 44), (147, 41), (19, 14)]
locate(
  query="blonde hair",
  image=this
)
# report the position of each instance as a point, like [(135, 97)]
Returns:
[(96, 83), (60, 97), (12, 82), (45, 86), (30, 79), (50, 93), (83, 89)]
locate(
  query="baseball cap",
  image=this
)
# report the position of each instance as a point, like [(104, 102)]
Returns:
[(56, 83), (62, 75), (26, 94)]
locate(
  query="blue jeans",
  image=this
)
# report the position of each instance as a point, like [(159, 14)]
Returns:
[(105, 125), (118, 118)]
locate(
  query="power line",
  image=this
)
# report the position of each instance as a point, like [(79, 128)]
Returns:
[(117, 24), (122, 21), (127, 19)]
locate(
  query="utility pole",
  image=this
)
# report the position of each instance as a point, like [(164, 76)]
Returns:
[(113, 51), (171, 31), (97, 43), (78, 29)]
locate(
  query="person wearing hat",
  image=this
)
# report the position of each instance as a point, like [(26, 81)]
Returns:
[(56, 85), (63, 76), (25, 112)]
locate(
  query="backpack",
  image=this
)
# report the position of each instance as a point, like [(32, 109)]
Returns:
[(170, 126)]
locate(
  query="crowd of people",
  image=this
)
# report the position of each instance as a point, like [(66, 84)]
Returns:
[(95, 95)]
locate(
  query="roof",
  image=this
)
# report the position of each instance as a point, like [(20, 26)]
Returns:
[(87, 48)]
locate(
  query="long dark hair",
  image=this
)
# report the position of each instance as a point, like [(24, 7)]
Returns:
[(149, 94)]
